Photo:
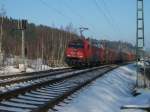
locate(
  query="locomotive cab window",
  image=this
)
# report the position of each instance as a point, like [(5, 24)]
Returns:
[(76, 45)]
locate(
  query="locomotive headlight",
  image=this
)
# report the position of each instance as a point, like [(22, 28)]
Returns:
[(81, 56), (68, 55)]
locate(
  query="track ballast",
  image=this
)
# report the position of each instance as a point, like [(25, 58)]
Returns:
[(45, 94)]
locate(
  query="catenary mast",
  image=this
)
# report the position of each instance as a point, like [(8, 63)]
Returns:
[(140, 38)]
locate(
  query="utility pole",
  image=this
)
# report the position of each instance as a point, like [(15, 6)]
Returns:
[(22, 27), (140, 39), (1, 38), (42, 46), (81, 31), (23, 48), (2, 14), (24, 22)]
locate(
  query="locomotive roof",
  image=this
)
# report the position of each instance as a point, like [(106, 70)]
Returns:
[(92, 42), (77, 40)]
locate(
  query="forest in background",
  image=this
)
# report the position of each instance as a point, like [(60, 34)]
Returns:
[(45, 42)]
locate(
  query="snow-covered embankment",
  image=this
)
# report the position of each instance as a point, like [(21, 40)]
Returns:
[(106, 94)]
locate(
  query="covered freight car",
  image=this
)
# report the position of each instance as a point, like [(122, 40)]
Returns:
[(111, 56), (124, 56)]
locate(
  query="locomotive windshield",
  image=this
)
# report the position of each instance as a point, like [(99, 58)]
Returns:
[(76, 45)]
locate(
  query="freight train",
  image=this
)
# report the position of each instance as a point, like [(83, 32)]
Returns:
[(86, 52)]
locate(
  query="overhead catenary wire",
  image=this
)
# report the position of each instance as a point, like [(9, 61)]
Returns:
[(82, 19), (107, 10), (110, 16), (56, 10), (68, 17), (101, 11)]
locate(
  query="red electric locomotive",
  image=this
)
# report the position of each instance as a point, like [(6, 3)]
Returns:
[(82, 52)]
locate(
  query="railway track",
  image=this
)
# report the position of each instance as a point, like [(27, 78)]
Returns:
[(11, 81), (3, 77), (46, 92)]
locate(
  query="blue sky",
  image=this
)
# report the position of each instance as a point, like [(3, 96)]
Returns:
[(111, 19)]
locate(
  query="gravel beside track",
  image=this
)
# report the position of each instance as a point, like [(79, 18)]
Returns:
[(44, 94)]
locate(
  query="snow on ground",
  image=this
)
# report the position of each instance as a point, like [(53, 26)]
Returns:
[(10, 70), (10, 65), (140, 101), (106, 94), (30, 70)]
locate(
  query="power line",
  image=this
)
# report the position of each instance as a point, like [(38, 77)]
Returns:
[(110, 15), (74, 12), (64, 15), (56, 10), (70, 9), (100, 10), (107, 9), (78, 15)]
